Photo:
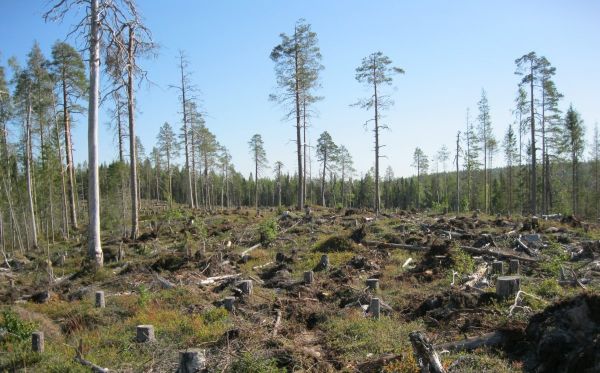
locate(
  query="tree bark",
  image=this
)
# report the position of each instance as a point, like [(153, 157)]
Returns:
[(94, 244), (298, 122)]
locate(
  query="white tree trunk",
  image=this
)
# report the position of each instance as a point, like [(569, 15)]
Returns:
[(94, 245)]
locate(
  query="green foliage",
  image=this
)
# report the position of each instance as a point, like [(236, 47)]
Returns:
[(14, 327), (216, 315), (267, 231), (144, 296), (355, 336), (463, 262), (335, 243), (251, 363), (554, 257), (548, 288)]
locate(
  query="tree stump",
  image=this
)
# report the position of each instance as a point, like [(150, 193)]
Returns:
[(37, 341), (513, 267), (373, 284), (498, 267), (324, 263), (375, 308), (192, 360), (246, 287), (309, 277), (145, 333), (507, 286), (100, 303), (228, 303)]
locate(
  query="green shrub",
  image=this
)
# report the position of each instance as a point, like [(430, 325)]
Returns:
[(250, 363), (144, 295), (268, 231), (335, 243), (463, 262), (14, 327)]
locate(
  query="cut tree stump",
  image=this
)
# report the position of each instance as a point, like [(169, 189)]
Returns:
[(513, 267), (507, 286), (426, 356), (192, 360), (375, 308), (498, 267), (246, 287), (309, 277), (145, 333), (37, 342), (100, 302), (324, 263), (373, 284), (228, 303)]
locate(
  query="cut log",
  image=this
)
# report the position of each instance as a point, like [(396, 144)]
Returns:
[(426, 356), (507, 286), (192, 360)]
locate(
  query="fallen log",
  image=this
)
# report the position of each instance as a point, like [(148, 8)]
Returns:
[(212, 280), (470, 249), (164, 283), (95, 368), (245, 252), (486, 340), (426, 356)]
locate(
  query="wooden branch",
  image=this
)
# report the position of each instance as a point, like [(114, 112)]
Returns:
[(426, 356), (395, 245)]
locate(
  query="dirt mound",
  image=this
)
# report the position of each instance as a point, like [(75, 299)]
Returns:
[(566, 337)]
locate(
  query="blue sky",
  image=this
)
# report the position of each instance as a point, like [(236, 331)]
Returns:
[(450, 50)]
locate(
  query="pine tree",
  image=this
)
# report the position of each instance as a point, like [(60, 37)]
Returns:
[(375, 72), (297, 66), (486, 138), (69, 70), (169, 149), (326, 152), (510, 156), (259, 156), (574, 145), (346, 167), (421, 164)]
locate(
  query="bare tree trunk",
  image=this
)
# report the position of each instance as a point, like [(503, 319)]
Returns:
[(300, 204), (132, 146), (190, 196), (28, 174), (323, 178), (94, 244), (457, 172), (69, 154), (533, 186), (376, 107), (65, 208)]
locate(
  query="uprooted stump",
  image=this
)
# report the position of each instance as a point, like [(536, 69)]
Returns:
[(191, 361), (564, 337)]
